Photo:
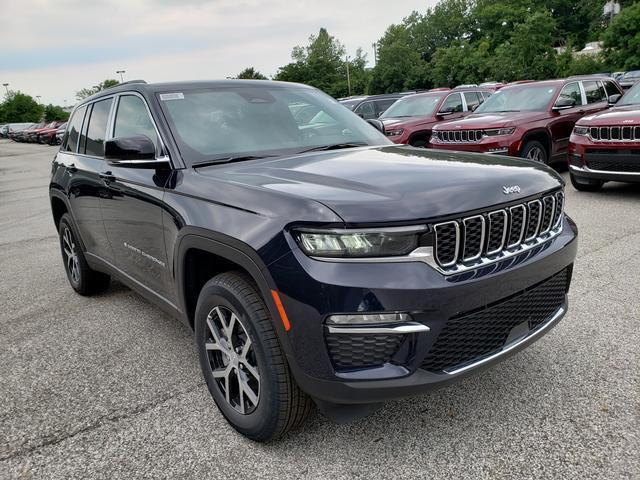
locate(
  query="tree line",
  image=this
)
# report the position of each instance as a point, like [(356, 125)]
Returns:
[(19, 107), (472, 41)]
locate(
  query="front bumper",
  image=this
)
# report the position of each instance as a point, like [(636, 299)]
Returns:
[(608, 161), (312, 290)]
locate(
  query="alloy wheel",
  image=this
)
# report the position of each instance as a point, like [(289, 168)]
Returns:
[(71, 255), (536, 154), (232, 360)]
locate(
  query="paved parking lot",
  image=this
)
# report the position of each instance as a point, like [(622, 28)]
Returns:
[(110, 387)]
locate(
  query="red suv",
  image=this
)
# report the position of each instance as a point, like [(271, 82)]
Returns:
[(606, 146), (532, 120), (411, 118)]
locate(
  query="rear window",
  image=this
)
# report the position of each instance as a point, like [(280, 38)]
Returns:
[(70, 143)]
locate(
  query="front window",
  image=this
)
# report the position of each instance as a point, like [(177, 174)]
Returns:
[(571, 92), (223, 122), (593, 92), (132, 118), (525, 98), (413, 106), (632, 97)]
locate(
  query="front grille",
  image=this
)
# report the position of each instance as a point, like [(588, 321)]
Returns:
[(459, 136), (484, 237), (615, 133), (473, 335), (363, 350)]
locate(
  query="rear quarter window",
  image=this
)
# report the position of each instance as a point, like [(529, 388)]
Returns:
[(72, 134)]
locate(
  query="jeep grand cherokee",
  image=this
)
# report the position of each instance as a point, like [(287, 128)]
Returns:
[(315, 262)]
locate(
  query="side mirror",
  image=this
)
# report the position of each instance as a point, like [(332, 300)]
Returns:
[(563, 104), (474, 107), (613, 99), (445, 112), (377, 124), (136, 151)]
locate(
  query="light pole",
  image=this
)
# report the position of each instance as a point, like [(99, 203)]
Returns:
[(348, 77), (38, 97), (6, 86), (375, 53), (121, 72)]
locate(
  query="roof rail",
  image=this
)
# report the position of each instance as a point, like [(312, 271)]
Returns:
[(130, 81)]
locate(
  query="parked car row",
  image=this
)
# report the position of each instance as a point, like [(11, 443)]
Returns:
[(530, 119), (45, 133)]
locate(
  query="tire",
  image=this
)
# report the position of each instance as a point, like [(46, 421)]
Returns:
[(586, 184), (420, 143), (270, 403), (534, 150), (82, 278)]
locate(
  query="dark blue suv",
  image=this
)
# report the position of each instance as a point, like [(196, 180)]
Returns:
[(316, 261)]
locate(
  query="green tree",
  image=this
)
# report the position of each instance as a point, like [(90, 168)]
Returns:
[(87, 92), (322, 64), (55, 112), (622, 39), (19, 107), (251, 73)]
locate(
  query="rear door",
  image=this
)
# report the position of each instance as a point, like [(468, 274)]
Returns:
[(84, 186), (132, 209), (595, 96)]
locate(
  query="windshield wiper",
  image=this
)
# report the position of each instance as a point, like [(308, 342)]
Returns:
[(334, 146), (239, 158)]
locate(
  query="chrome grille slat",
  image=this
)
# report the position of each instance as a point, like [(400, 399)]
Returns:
[(459, 136), (615, 133), (469, 241)]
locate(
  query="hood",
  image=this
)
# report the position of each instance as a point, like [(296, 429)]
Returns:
[(407, 122), (492, 120), (393, 183), (623, 115)]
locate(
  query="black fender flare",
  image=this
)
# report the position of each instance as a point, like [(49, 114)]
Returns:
[(539, 131), (234, 251)]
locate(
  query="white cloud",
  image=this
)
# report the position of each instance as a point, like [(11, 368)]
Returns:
[(59, 47)]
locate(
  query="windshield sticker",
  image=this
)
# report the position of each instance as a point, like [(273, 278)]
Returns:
[(172, 96)]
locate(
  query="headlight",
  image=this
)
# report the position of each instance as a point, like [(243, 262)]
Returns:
[(388, 242), (499, 131), (394, 133), (580, 130)]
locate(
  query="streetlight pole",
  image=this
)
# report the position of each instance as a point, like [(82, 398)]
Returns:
[(375, 53), (38, 97), (348, 76), (121, 72), (6, 85)]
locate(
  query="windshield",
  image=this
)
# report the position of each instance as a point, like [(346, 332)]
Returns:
[(632, 97), (413, 106), (351, 104), (634, 74), (529, 98), (241, 121)]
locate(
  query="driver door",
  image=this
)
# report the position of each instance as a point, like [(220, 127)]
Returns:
[(564, 120)]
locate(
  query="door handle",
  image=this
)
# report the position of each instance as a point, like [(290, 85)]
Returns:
[(72, 168), (107, 177)]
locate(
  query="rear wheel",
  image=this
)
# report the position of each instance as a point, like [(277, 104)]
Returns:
[(534, 150), (82, 278), (245, 369), (586, 184)]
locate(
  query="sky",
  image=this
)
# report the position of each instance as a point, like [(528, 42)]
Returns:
[(55, 48)]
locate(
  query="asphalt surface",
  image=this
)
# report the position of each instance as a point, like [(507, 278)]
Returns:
[(109, 387)]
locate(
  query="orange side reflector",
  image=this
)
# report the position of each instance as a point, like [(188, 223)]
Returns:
[(283, 314)]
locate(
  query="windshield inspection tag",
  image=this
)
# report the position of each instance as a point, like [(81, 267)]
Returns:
[(171, 96)]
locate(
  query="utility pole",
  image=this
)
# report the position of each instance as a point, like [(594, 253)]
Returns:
[(6, 85), (38, 97), (375, 53), (121, 72), (348, 77)]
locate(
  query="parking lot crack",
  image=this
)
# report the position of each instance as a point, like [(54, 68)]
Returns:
[(26, 448)]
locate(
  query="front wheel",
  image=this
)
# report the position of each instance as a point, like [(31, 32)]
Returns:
[(535, 151), (585, 184), (245, 369)]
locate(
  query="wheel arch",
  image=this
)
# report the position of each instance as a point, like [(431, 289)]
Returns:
[(59, 207), (420, 135), (540, 135)]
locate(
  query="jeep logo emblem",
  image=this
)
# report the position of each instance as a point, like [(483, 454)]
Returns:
[(509, 190)]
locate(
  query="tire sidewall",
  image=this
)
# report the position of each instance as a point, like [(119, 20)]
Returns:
[(65, 222), (529, 146), (265, 416)]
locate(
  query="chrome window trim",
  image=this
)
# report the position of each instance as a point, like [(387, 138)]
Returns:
[(505, 229), (524, 224), (400, 329), (510, 346), (482, 237), (456, 253), (537, 229)]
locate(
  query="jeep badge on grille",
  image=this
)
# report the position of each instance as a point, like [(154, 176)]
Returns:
[(509, 190)]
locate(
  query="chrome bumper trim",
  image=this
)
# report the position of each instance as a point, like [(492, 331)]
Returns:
[(507, 348), (401, 329), (602, 172)]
